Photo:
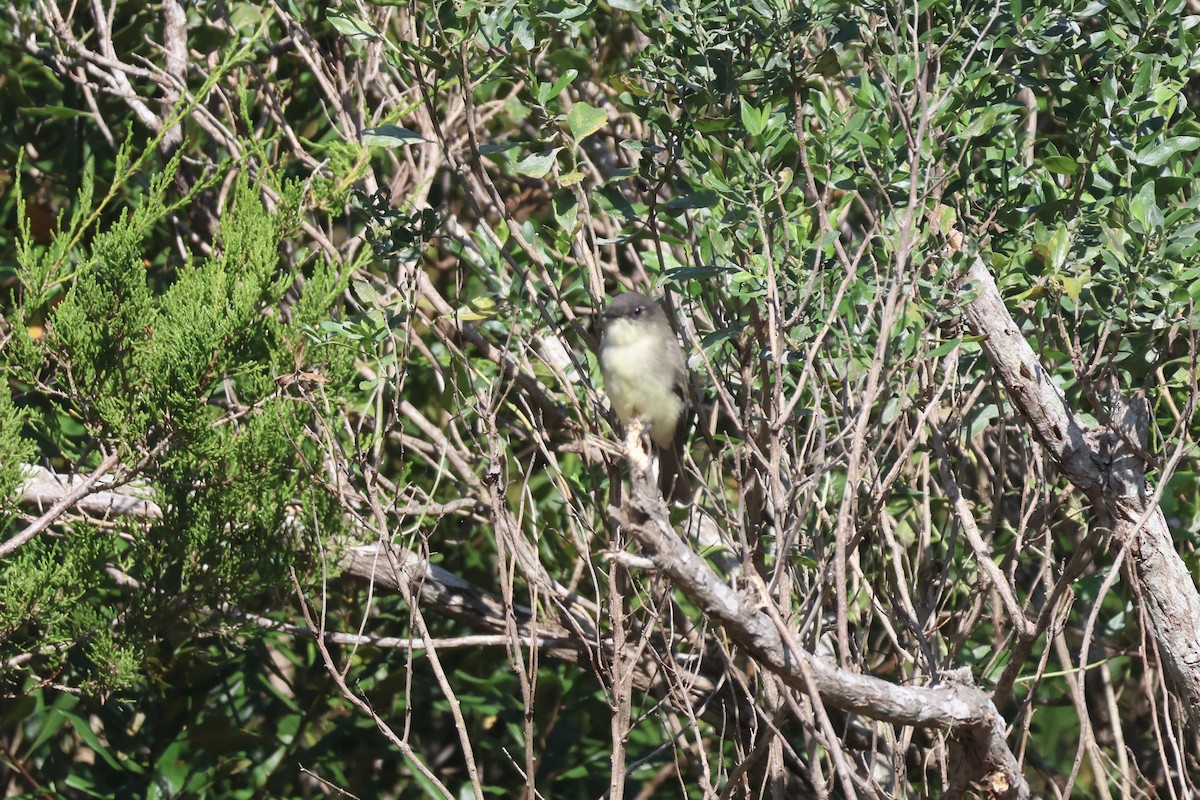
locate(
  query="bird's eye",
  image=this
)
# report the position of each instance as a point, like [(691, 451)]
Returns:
[(637, 310)]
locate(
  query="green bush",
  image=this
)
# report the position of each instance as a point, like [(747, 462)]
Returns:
[(330, 289)]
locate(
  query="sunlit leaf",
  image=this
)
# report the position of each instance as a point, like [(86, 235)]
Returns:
[(1159, 154), (391, 136), (585, 120), (536, 165)]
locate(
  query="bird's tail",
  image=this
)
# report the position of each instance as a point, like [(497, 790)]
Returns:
[(671, 481)]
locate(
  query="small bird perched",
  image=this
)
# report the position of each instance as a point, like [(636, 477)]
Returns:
[(645, 378)]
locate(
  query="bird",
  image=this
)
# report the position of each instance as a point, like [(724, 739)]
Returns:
[(645, 378)]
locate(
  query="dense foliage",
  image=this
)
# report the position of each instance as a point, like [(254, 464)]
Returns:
[(293, 291)]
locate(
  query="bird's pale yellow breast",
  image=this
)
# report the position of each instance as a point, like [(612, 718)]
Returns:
[(635, 392)]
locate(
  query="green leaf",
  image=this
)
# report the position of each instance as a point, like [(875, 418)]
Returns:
[(697, 200), (1061, 165), (366, 293), (826, 64), (1053, 253), (1060, 246), (1073, 287), (563, 80), (983, 419), (566, 210), (1158, 154), (536, 165), (390, 136), (615, 204), (353, 27), (478, 308), (55, 112), (1144, 208), (547, 91), (585, 120), (979, 124), (522, 34), (1108, 91), (83, 729), (713, 124), (697, 273), (710, 340), (943, 348), (502, 147), (805, 560), (752, 119)]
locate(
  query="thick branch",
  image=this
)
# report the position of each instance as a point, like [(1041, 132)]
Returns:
[(69, 499), (957, 706), (1097, 461), (45, 488)]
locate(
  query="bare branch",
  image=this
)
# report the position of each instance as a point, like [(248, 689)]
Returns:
[(955, 705), (1088, 457)]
